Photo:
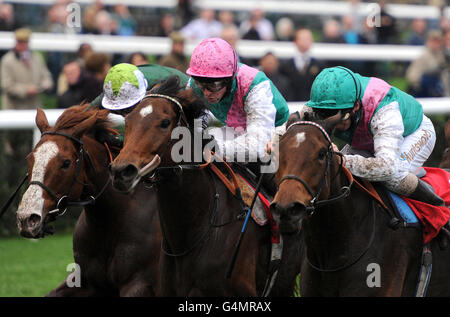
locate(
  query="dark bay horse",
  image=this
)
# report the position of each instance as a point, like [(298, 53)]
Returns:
[(117, 240), (445, 163), (200, 218), (351, 249)]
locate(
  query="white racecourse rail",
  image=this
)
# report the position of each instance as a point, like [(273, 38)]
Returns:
[(25, 119)]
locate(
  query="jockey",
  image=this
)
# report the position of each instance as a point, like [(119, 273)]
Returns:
[(240, 97), (381, 120), (125, 85)]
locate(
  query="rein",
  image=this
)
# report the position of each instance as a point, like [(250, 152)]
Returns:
[(315, 202)]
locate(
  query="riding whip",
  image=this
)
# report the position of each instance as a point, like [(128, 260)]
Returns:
[(244, 227)]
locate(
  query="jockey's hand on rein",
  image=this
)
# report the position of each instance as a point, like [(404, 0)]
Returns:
[(336, 149)]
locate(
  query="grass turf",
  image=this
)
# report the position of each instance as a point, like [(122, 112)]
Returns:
[(33, 267)]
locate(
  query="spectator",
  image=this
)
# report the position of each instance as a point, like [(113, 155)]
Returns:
[(23, 75), (252, 31), (260, 24), (387, 32), (424, 74), (204, 27), (332, 32), (137, 59), (98, 64), (369, 33), (350, 34), (285, 29), (230, 34), (104, 24), (89, 24), (302, 68), (82, 86), (446, 72), (357, 16), (176, 59), (57, 20), (166, 25), (126, 23), (418, 32), (84, 50), (226, 18), (184, 13), (270, 66), (7, 21)]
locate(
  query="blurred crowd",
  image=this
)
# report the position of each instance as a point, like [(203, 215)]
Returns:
[(74, 78)]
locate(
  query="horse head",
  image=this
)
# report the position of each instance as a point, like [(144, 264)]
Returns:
[(148, 131), (306, 161), (56, 172)]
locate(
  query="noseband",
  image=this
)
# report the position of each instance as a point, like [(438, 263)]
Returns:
[(63, 202), (314, 202)]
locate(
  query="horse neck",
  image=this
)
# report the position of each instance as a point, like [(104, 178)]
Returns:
[(186, 204), (98, 178), (334, 229)]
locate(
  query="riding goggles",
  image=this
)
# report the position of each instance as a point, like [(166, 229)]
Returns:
[(214, 86)]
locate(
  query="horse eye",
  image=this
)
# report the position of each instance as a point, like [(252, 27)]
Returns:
[(322, 154), (165, 123), (66, 164)]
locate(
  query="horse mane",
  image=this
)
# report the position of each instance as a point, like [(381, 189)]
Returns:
[(195, 105), (77, 114)]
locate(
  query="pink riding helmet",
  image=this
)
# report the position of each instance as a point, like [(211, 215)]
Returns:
[(213, 58)]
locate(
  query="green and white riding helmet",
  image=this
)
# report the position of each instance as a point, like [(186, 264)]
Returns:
[(335, 88), (124, 86)]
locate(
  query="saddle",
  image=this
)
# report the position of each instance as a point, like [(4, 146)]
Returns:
[(407, 212), (241, 182)]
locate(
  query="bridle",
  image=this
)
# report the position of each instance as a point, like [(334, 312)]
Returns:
[(215, 204), (315, 202), (63, 202), (345, 192)]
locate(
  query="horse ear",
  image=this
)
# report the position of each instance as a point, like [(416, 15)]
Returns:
[(41, 121), (293, 117), (330, 123), (84, 126), (188, 95)]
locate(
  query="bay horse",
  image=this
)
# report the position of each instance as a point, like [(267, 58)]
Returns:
[(348, 236), (200, 218), (116, 241), (445, 162)]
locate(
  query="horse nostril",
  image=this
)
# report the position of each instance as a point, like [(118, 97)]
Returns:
[(33, 220), (129, 172)]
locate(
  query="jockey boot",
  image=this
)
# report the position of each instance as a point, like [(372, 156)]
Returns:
[(424, 192)]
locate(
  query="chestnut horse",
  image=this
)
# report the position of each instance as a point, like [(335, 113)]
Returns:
[(200, 218), (116, 241), (445, 163), (351, 249)]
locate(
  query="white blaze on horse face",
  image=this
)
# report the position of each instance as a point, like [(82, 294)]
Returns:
[(33, 201), (146, 111), (300, 137)]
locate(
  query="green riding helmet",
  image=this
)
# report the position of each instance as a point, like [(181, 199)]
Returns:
[(124, 86), (335, 88)]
